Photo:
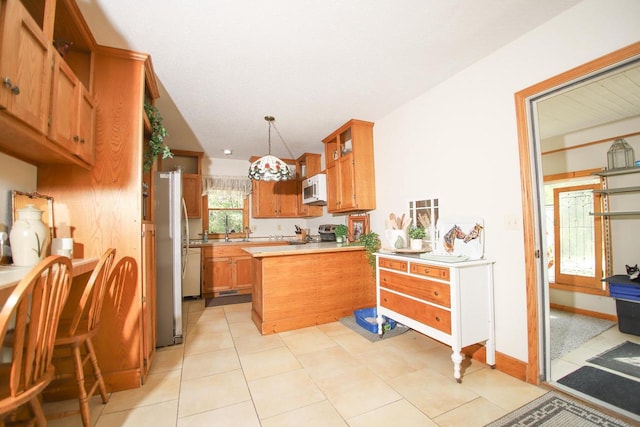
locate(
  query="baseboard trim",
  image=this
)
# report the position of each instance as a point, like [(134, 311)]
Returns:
[(569, 309)]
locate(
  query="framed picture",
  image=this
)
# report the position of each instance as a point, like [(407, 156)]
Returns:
[(357, 225)]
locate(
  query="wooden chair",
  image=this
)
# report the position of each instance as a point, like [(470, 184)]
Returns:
[(77, 333), (30, 317)]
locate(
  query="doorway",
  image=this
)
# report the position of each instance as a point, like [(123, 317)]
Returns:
[(533, 206)]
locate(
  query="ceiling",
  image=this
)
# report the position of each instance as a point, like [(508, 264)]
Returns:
[(224, 65), (611, 97)]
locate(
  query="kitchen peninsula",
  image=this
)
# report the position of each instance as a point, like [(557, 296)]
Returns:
[(304, 285)]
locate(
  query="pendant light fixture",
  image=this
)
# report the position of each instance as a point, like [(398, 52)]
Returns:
[(271, 168)]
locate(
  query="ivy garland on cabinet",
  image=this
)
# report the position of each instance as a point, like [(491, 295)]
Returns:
[(156, 145)]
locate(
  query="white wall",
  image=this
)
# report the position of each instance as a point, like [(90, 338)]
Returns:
[(458, 142), (15, 175)]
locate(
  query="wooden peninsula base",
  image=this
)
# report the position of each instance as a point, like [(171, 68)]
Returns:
[(299, 286)]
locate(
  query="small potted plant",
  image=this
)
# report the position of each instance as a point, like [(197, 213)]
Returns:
[(341, 233), (416, 234)]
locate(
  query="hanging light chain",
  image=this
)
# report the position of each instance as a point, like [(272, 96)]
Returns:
[(271, 121)]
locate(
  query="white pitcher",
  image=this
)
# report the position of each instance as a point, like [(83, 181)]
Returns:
[(397, 239), (28, 237)]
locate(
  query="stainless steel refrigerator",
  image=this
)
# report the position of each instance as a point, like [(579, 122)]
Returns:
[(171, 244)]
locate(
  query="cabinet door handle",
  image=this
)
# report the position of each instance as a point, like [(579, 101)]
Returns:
[(76, 138), (6, 82)]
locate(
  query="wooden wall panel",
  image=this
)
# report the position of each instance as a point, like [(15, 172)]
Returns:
[(102, 206)]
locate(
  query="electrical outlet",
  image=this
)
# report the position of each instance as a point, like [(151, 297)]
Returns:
[(253, 228), (279, 227), (511, 222)]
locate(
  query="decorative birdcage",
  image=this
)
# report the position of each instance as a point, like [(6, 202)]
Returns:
[(620, 155)]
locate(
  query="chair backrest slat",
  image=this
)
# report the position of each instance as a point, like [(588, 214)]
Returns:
[(90, 304), (32, 311)]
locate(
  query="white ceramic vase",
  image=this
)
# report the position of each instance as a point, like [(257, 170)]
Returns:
[(416, 244), (396, 238), (28, 237)]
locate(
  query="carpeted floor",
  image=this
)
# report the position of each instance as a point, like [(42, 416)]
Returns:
[(570, 330), (616, 390), (556, 410)]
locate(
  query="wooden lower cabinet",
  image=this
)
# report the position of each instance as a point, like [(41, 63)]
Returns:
[(227, 269), (293, 291), (450, 302), (148, 297)]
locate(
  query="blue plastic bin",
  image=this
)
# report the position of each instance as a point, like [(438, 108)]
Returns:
[(366, 318)]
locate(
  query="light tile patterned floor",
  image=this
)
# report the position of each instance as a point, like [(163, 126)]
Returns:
[(227, 374)]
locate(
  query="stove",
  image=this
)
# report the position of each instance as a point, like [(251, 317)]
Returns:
[(326, 232)]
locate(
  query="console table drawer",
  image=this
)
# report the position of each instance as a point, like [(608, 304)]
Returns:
[(429, 270), (434, 317), (427, 290), (393, 264)]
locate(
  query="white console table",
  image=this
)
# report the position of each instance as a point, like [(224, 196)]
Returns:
[(449, 302)]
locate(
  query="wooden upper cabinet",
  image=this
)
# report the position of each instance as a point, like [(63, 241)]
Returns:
[(24, 66), (350, 168), (309, 164), (275, 199), (85, 148), (72, 120), (271, 199), (191, 164), (46, 82), (192, 194)]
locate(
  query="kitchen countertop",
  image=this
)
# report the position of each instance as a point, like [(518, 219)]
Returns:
[(221, 242), (308, 248)]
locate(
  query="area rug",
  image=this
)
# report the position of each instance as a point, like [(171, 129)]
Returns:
[(554, 409), (230, 299), (350, 322), (623, 358), (616, 390), (570, 330)]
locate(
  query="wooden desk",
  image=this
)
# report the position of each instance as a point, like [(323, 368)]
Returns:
[(10, 276)]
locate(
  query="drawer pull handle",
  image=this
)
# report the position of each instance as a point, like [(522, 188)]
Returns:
[(436, 293), (426, 271), (437, 318)]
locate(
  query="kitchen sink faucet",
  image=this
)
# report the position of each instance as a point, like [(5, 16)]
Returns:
[(226, 228)]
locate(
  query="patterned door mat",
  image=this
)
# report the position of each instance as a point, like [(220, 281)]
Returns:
[(554, 409)]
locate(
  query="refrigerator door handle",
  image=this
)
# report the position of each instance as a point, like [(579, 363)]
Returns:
[(185, 247)]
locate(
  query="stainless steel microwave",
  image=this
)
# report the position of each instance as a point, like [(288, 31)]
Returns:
[(314, 190)]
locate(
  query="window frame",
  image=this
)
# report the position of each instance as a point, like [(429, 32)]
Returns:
[(205, 218), (602, 289)]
